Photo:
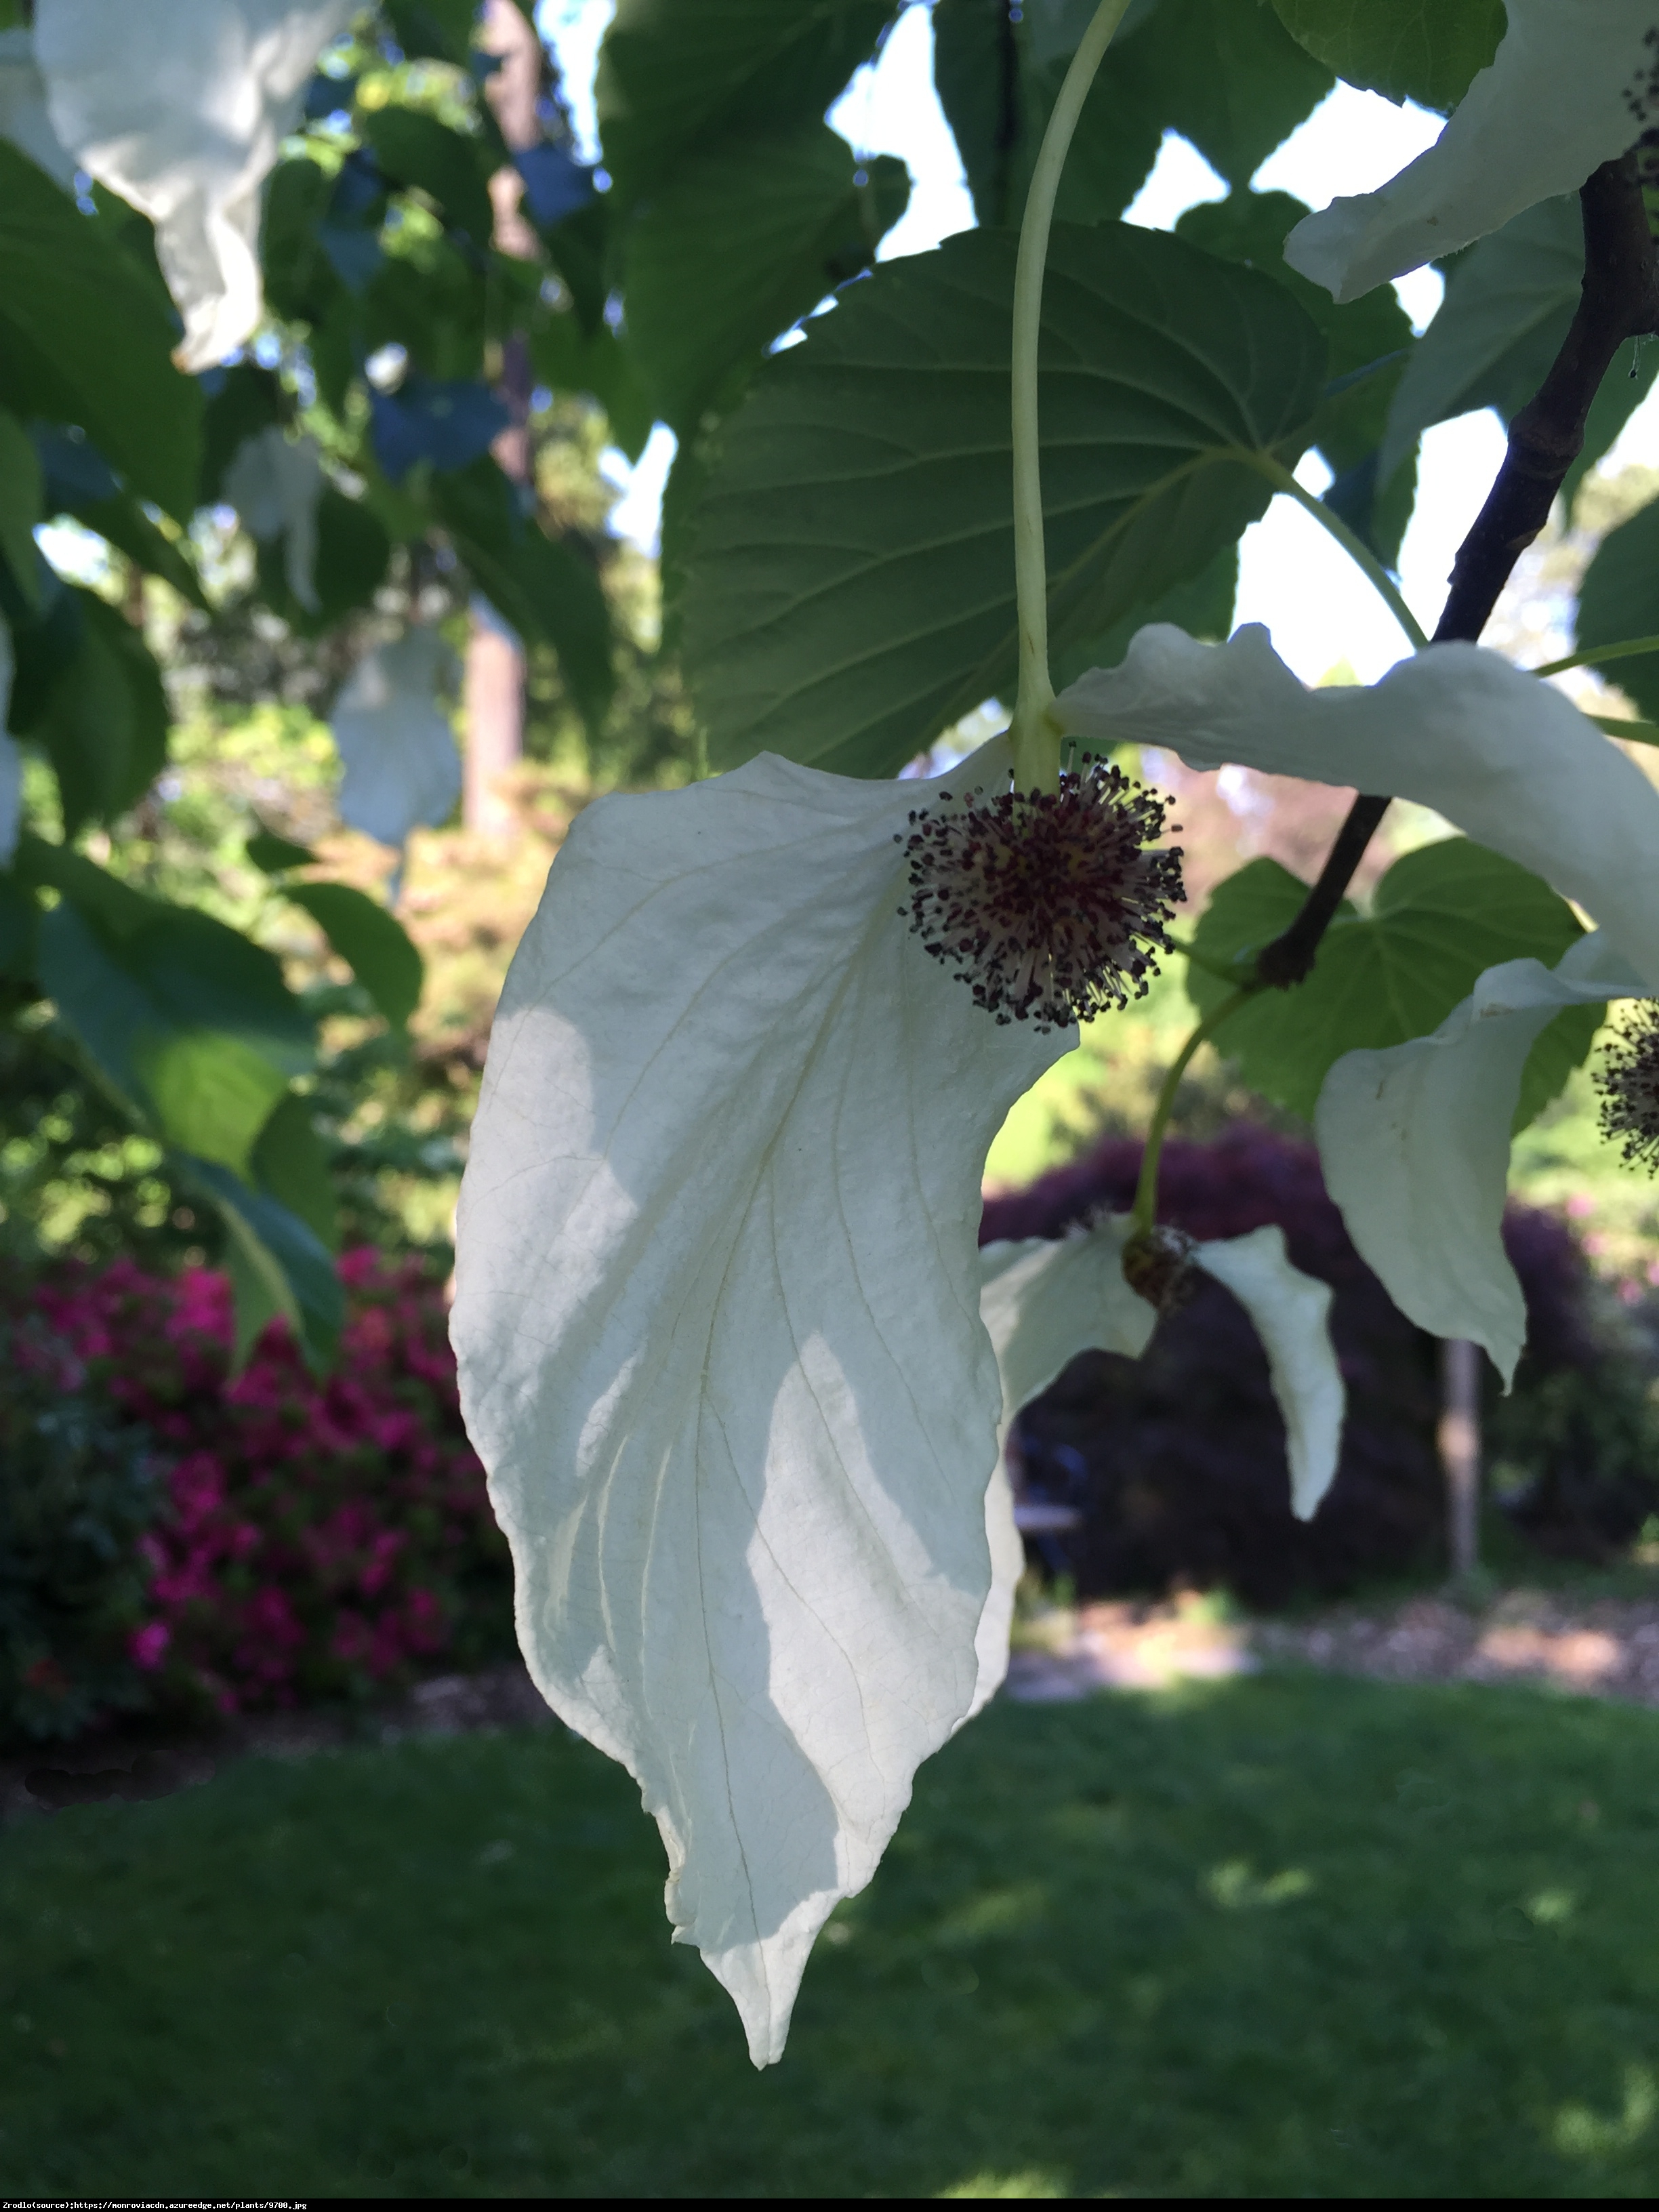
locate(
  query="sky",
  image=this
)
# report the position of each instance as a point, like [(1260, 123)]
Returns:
[(1319, 609)]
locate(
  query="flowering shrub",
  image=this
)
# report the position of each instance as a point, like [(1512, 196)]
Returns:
[(78, 1486), (318, 1537), (1178, 1460)]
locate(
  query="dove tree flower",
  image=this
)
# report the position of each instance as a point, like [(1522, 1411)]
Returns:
[(1574, 83), (402, 768), (182, 110), (737, 1372), (275, 483), (1415, 1141)]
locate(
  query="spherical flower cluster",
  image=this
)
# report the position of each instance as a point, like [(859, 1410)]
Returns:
[(322, 1536), (1628, 1081), (1048, 904)]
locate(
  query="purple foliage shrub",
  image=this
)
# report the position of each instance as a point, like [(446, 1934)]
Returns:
[(1177, 1462), (318, 1536)]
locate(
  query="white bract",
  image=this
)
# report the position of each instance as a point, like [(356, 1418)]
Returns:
[(23, 117), (1415, 1142), (717, 1320), (1044, 1303), (402, 768), (181, 107), (1574, 83), (1508, 760), (275, 483)]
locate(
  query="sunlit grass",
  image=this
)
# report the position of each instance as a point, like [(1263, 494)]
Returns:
[(1286, 1936)]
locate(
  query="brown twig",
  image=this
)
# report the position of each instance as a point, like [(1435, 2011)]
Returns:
[(1618, 300)]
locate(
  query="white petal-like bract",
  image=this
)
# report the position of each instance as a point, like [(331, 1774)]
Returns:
[(275, 483), (1508, 759), (718, 1325), (1572, 85), (402, 768), (23, 117), (181, 107), (1415, 1145), (1042, 1302), (1292, 1313)]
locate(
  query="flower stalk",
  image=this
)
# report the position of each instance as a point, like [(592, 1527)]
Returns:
[(1034, 741)]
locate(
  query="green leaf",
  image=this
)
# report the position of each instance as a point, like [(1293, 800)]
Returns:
[(372, 943), (673, 80), (300, 282), (567, 357), (442, 29), (1439, 917), (273, 854), (189, 1023), (19, 930), (122, 523), (21, 486), (102, 719), (1428, 50), (413, 148), (1620, 599), (1251, 228), (851, 589), (1508, 300), (290, 1164), (245, 400), (83, 339), (1203, 606), (353, 553), (543, 588), (1223, 74), (277, 1265), (750, 238)]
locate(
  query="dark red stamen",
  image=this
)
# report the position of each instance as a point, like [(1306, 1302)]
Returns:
[(1048, 904), (1629, 1084)]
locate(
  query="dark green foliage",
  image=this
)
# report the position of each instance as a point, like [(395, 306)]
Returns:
[(71, 303), (1440, 916), (1289, 1937), (1423, 50), (1619, 601), (846, 629), (77, 1488)]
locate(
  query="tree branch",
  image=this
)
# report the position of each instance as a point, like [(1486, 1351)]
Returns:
[(1618, 300)]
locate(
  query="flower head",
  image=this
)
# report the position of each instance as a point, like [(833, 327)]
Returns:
[(1628, 1081), (1048, 904)]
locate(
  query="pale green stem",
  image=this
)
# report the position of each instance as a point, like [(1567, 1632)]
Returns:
[(1594, 655), (1034, 741), (1360, 553), (1145, 1210)]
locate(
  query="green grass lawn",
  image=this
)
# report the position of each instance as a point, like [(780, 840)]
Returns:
[(1289, 1936)]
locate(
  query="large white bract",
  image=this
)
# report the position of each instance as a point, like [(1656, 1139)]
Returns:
[(717, 1320), (1415, 1143), (181, 107), (23, 117), (1508, 760), (275, 484), (403, 771), (1574, 83)]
